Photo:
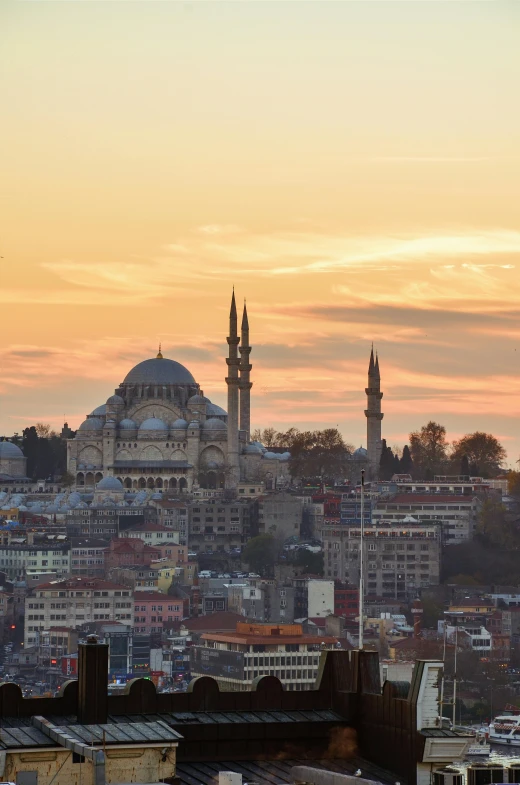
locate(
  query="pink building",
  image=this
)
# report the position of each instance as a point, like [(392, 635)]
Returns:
[(151, 609)]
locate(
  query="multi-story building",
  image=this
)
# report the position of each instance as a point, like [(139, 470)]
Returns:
[(279, 602), (280, 514), (173, 514), (74, 601), (87, 557), (458, 513), (235, 659), (131, 551), (346, 600), (152, 608), (152, 534), (106, 522), (350, 509), (399, 557), (16, 560), (314, 597), (137, 578), (218, 525)]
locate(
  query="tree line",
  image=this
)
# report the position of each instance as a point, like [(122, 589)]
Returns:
[(45, 450)]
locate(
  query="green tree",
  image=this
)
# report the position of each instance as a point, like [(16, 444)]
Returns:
[(260, 554), (496, 527), (406, 462), (311, 563), (387, 462), (428, 448), (513, 484), (482, 451), (67, 479)]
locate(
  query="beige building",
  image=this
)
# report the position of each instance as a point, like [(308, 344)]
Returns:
[(74, 601), (458, 513), (280, 514)]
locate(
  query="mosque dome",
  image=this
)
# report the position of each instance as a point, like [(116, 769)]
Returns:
[(153, 424), (198, 399), (360, 453), (214, 425), (179, 424), (92, 424), (10, 450), (215, 411), (253, 449), (285, 456), (115, 399), (110, 484), (100, 411), (159, 370), (271, 456), (127, 425)]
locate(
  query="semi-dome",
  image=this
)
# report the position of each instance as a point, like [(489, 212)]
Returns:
[(127, 425), (10, 450), (198, 399), (270, 456), (214, 425), (153, 424), (159, 370), (115, 399), (100, 411), (179, 424), (110, 484), (253, 449), (92, 424), (215, 411)]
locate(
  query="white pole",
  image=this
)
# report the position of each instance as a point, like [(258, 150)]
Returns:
[(455, 676), (361, 563)]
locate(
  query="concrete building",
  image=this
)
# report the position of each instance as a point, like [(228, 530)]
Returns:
[(135, 577), (151, 609), (236, 659), (457, 513), (173, 514), (129, 551), (399, 557), (19, 558), (106, 521), (314, 597), (74, 601), (217, 525), (152, 534), (87, 557), (280, 514)]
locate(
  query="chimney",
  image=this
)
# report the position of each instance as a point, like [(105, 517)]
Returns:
[(92, 681)]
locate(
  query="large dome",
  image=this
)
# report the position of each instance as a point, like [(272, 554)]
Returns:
[(10, 450), (159, 370)]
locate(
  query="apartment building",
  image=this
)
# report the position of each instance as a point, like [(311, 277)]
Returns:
[(236, 658), (19, 559), (174, 515), (399, 557), (313, 598), (218, 524), (152, 534), (106, 522), (132, 551), (458, 513), (74, 601), (151, 609), (280, 514), (87, 557)]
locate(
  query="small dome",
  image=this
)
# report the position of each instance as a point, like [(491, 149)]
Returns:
[(115, 399), (214, 425), (179, 424), (108, 502), (153, 424), (127, 425), (259, 444), (156, 497), (198, 399), (110, 484), (91, 424), (253, 449), (100, 411), (51, 508), (10, 450), (360, 453), (212, 410), (270, 456), (285, 456), (194, 424)]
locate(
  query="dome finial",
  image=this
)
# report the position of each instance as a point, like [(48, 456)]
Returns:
[(159, 353)]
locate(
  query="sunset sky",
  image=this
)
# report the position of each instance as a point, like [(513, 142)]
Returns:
[(352, 168)]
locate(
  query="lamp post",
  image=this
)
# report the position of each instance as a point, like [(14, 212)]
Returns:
[(362, 563)]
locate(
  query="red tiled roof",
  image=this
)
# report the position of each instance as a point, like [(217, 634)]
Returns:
[(221, 620)]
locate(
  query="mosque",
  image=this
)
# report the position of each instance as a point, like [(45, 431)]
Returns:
[(160, 431)]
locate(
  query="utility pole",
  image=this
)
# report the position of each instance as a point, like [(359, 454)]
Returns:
[(362, 563)]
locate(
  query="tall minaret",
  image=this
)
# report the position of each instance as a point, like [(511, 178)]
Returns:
[(233, 382), (374, 416), (245, 383)]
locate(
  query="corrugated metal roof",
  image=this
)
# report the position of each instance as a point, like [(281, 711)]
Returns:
[(122, 733), (249, 717), (23, 737)]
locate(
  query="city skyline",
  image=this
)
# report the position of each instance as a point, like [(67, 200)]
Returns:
[(352, 169)]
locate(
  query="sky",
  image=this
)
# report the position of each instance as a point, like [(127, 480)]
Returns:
[(351, 168)]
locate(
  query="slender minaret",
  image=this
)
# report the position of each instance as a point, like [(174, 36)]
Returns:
[(374, 416), (232, 381), (245, 383)]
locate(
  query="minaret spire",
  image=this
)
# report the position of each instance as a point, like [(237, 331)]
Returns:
[(374, 415), (233, 381), (245, 383)]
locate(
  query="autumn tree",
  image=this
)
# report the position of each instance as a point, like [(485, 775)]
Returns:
[(319, 454), (496, 527), (513, 484), (428, 449), (482, 451), (260, 553)]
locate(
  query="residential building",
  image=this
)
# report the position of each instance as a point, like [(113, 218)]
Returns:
[(279, 602), (235, 659), (346, 600), (220, 525), (458, 513), (152, 534), (106, 522), (173, 514), (136, 577), (133, 551), (350, 509), (280, 514), (17, 559), (87, 557), (314, 597), (72, 602), (399, 557), (119, 637), (151, 609)]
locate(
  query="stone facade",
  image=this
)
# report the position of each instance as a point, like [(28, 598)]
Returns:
[(374, 416)]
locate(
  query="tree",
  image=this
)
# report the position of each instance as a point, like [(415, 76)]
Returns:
[(67, 479), (260, 553), (267, 437), (513, 484), (406, 463), (311, 563), (482, 451), (387, 462), (43, 429), (428, 448), (319, 454), (464, 466), (496, 527)]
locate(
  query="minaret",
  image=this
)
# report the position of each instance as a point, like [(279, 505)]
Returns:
[(245, 383), (374, 416), (233, 382)]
